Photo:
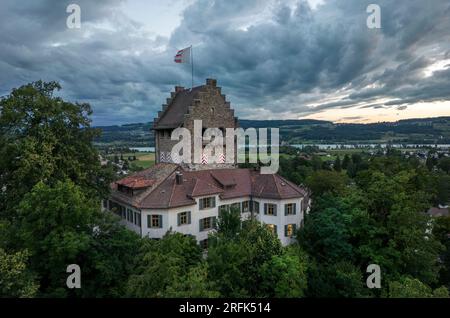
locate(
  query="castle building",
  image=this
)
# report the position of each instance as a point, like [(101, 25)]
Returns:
[(188, 198)]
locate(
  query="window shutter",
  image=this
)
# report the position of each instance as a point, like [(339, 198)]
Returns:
[(179, 219), (265, 208), (275, 230), (200, 201), (275, 209), (295, 208), (213, 202), (285, 209), (160, 221), (294, 228), (200, 225), (214, 222), (149, 221), (285, 230), (189, 217), (257, 207)]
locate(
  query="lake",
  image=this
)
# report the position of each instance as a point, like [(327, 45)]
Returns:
[(143, 149)]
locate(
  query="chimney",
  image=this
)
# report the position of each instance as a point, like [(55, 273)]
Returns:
[(179, 89), (211, 82), (178, 177)]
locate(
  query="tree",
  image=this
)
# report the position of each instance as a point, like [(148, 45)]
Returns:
[(326, 233), (45, 139), (337, 164), (441, 229), (413, 288), (161, 264), (229, 223), (443, 189), (109, 259), (323, 181), (229, 259), (16, 280), (346, 162), (444, 164), (341, 279), (283, 276), (55, 225), (194, 284)]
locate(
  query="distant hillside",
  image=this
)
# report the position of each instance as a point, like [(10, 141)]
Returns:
[(422, 130)]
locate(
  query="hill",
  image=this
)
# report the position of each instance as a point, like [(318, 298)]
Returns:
[(421, 130)]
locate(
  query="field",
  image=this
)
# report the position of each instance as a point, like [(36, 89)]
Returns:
[(143, 159)]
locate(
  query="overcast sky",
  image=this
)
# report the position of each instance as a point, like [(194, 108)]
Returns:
[(273, 59)]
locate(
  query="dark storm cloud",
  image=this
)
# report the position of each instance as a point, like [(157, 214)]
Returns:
[(270, 58)]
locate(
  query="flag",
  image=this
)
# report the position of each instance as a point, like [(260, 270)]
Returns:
[(183, 56)]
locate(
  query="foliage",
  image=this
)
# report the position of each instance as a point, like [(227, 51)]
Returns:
[(15, 278), (284, 276), (45, 139), (324, 181), (162, 266), (414, 288)]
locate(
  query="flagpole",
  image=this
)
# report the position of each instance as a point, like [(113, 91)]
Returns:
[(192, 64)]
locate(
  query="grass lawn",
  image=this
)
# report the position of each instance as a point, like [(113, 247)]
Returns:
[(143, 163), (143, 159)]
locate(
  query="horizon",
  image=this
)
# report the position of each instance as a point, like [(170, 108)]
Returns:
[(300, 119), (305, 59)]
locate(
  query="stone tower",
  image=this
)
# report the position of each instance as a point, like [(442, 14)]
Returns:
[(206, 103)]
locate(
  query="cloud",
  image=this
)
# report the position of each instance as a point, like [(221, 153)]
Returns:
[(283, 59)]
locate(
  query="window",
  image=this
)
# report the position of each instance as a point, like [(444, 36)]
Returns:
[(272, 228), (184, 218), (290, 209), (137, 218), (289, 230), (204, 244), (154, 221), (245, 206), (207, 203), (236, 206), (130, 216), (270, 209), (207, 223), (224, 208), (255, 206)]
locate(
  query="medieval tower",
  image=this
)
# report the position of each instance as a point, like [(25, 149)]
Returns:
[(205, 103)]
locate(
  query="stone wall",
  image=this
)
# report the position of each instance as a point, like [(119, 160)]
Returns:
[(209, 105)]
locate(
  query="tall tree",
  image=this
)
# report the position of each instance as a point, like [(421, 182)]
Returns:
[(45, 139)]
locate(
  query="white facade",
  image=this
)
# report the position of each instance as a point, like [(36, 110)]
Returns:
[(168, 219)]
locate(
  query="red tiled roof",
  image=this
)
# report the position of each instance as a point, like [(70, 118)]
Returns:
[(136, 182), (228, 183), (438, 212)]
